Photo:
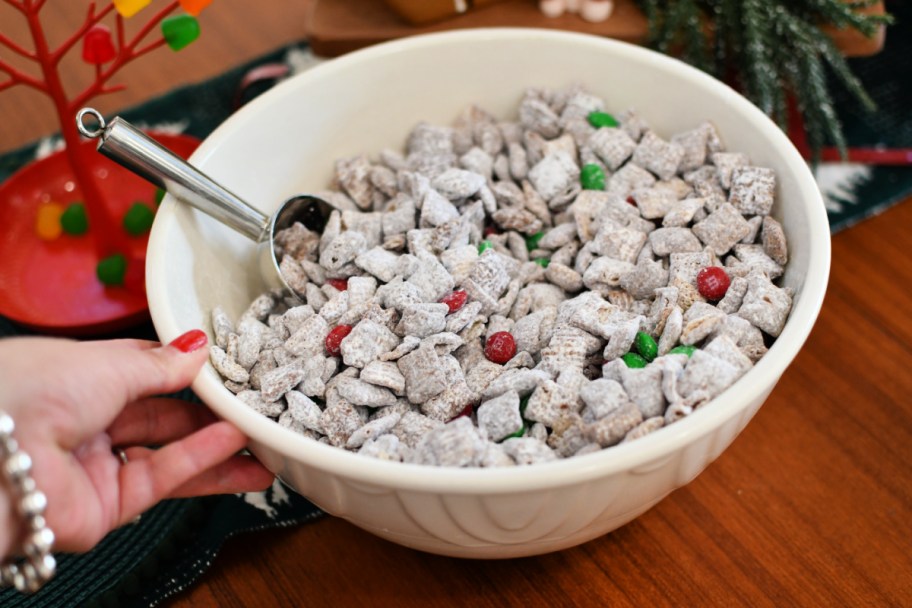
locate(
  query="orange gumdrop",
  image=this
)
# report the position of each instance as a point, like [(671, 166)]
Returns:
[(194, 7), (47, 221)]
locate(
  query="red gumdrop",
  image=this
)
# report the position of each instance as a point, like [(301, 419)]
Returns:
[(97, 45), (712, 282), (334, 339), (340, 284), (455, 300), (500, 347)]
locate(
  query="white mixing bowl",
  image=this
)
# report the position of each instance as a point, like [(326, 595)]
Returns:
[(286, 141)]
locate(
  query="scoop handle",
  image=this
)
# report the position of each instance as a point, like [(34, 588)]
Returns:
[(128, 146)]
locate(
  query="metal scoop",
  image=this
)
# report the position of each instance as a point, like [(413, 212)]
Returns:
[(128, 146)]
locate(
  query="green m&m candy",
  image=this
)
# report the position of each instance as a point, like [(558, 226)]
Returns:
[(111, 270), (634, 360), (602, 119), (484, 246), (138, 219), (74, 219), (533, 239), (592, 177), (543, 262), (684, 349), (646, 345)]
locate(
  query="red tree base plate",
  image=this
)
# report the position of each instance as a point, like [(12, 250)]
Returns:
[(51, 286)]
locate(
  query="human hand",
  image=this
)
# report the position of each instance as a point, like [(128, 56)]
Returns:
[(75, 402)]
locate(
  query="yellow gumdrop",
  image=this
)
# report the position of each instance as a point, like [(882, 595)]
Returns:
[(47, 222), (128, 8)]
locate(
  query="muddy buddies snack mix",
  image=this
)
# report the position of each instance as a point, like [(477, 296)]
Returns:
[(507, 293)]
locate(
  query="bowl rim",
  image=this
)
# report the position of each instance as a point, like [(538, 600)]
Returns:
[(624, 457)]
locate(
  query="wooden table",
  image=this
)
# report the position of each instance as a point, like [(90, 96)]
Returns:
[(810, 506)]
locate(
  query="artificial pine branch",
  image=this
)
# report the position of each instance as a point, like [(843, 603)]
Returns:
[(771, 49)]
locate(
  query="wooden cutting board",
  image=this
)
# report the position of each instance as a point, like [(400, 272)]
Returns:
[(336, 27)]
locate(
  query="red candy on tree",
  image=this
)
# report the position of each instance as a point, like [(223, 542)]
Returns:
[(334, 339), (97, 45), (500, 347), (455, 300), (712, 283), (340, 284)]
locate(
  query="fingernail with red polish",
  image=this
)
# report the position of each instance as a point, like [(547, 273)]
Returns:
[(190, 341)]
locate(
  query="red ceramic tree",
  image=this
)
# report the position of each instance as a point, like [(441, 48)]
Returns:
[(73, 227)]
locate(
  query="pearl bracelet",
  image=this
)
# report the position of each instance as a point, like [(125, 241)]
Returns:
[(37, 567)]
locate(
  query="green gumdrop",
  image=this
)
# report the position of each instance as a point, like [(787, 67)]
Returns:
[(543, 262), (484, 246), (111, 270), (159, 196), (602, 119), (533, 239), (180, 30), (74, 219), (684, 349), (633, 360), (592, 177), (138, 219), (646, 345)]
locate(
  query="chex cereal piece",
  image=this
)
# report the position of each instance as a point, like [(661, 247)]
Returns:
[(634, 124), (618, 242), (304, 411), (309, 339), (671, 332), (285, 420), (754, 258), (456, 444), (339, 421), (533, 331), (221, 326), (622, 338), (517, 219), (706, 374), (753, 190), (682, 212), (700, 320), (613, 427), (226, 366), (693, 143), (754, 225), (551, 402), (424, 377), (773, 238), (436, 210), (602, 397), (644, 279), (567, 437), (557, 237), (725, 348), (726, 163), (628, 179), (250, 341), (665, 241), (343, 250), (644, 386), (277, 382), (564, 277), (765, 305), (480, 373), (378, 262), (554, 174), (454, 397), (431, 278), (368, 224), (385, 447), (255, 401), (613, 146), (605, 271), (260, 308), (412, 426), (568, 348), (523, 381), (499, 418), (657, 155), (528, 450), (384, 373), (265, 363), (353, 174), (478, 161), (722, 229), (679, 410), (294, 317), (731, 302), (536, 115), (236, 387), (650, 425), (374, 428), (358, 392), (366, 342), (683, 267), (654, 203), (423, 320), (457, 184), (489, 279)]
